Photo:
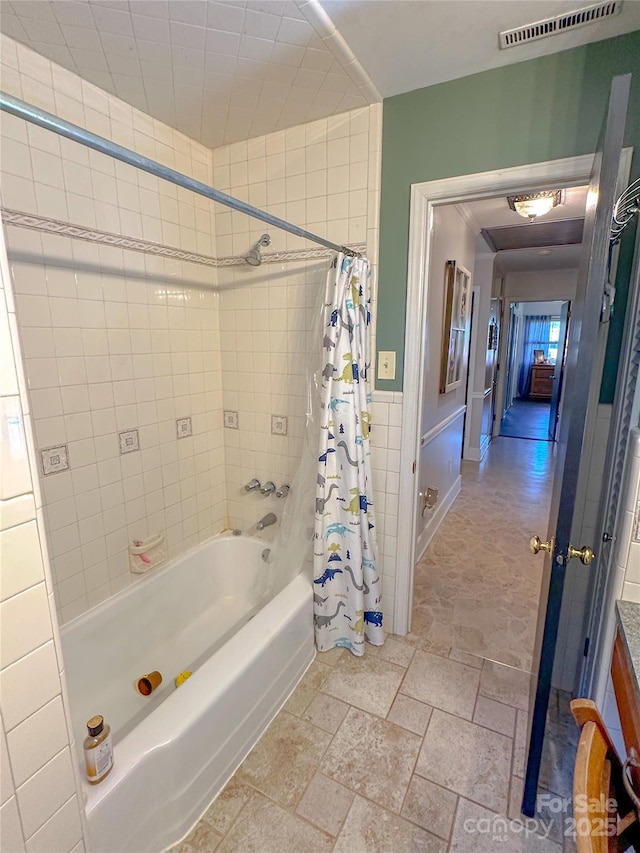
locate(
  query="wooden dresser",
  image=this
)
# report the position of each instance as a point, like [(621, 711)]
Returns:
[(542, 381)]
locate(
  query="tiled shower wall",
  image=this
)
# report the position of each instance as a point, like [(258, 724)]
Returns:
[(113, 340), (39, 807), (325, 177)]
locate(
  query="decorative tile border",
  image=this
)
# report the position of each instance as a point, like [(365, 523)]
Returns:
[(134, 244)]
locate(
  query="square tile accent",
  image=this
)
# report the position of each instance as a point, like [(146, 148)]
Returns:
[(468, 759), (278, 425), (443, 683), (183, 427), (55, 459), (129, 441), (230, 419), (373, 757)]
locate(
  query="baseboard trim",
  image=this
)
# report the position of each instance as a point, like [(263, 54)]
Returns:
[(437, 518)]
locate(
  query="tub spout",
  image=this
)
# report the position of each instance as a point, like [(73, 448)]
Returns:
[(267, 521)]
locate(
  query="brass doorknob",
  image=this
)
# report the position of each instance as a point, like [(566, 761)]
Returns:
[(585, 554), (536, 545)]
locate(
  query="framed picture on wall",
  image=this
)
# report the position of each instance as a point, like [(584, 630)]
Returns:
[(454, 331)]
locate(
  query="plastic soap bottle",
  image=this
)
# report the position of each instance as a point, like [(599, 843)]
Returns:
[(98, 752)]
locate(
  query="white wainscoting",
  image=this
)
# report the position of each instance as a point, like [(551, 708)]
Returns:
[(439, 468)]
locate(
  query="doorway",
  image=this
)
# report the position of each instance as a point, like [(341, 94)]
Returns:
[(503, 481), (587, 349), (535, 364)]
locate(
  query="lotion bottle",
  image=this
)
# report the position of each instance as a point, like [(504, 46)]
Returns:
[(98, 752)]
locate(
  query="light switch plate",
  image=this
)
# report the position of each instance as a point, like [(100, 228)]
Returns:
[(386, 364)]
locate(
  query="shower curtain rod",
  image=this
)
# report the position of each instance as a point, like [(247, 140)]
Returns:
[(21, 109)]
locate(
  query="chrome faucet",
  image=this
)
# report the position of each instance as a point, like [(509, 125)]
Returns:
[(267, 521), (252, 486), (283, 491), (268, 487)]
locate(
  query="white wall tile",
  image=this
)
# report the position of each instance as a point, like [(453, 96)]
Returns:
[(11, 837), (15, 475), (61, 832), (28, 608), (21, 559), (28, 684), (37, 740), (46, 791)]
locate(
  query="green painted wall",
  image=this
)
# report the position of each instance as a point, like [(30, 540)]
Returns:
[(542, 109)]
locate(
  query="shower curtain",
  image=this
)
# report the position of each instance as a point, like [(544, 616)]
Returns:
[(347, 595)]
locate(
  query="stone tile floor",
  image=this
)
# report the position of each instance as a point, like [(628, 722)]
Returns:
[(477, 586), (420, 745), (426, 760)]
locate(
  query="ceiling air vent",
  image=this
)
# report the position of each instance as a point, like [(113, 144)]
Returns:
[(560, 23)]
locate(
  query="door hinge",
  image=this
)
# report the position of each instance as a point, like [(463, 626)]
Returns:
[(585, 651)]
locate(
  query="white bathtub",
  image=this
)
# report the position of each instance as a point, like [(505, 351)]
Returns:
[(208, 611)]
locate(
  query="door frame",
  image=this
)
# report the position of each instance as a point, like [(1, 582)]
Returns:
[(568, 171)]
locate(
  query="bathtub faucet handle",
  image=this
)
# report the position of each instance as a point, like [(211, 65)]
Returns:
[(252, 486), (283, 491), (268, 487)]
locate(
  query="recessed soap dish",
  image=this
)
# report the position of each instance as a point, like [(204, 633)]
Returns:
[(146, 554)]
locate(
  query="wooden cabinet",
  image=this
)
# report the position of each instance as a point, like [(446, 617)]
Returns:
[(627, 699), (542, 381)]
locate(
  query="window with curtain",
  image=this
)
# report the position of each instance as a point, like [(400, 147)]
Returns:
[(540, 332)]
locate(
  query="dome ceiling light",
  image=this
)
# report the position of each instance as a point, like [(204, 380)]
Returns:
[(532, 205)]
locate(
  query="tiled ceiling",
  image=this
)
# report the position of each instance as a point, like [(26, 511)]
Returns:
[(217, 71)]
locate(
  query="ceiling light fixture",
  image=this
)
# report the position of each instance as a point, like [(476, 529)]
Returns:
[(532, 205)]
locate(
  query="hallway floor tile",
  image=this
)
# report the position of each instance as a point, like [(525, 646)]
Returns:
[(477, 585)]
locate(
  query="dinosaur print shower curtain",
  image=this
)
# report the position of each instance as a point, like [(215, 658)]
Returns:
[(347, 595)]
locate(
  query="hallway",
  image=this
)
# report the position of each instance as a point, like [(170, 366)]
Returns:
[(476, 587), (527, 419)]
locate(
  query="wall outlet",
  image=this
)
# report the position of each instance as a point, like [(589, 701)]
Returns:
[(386, 364)]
